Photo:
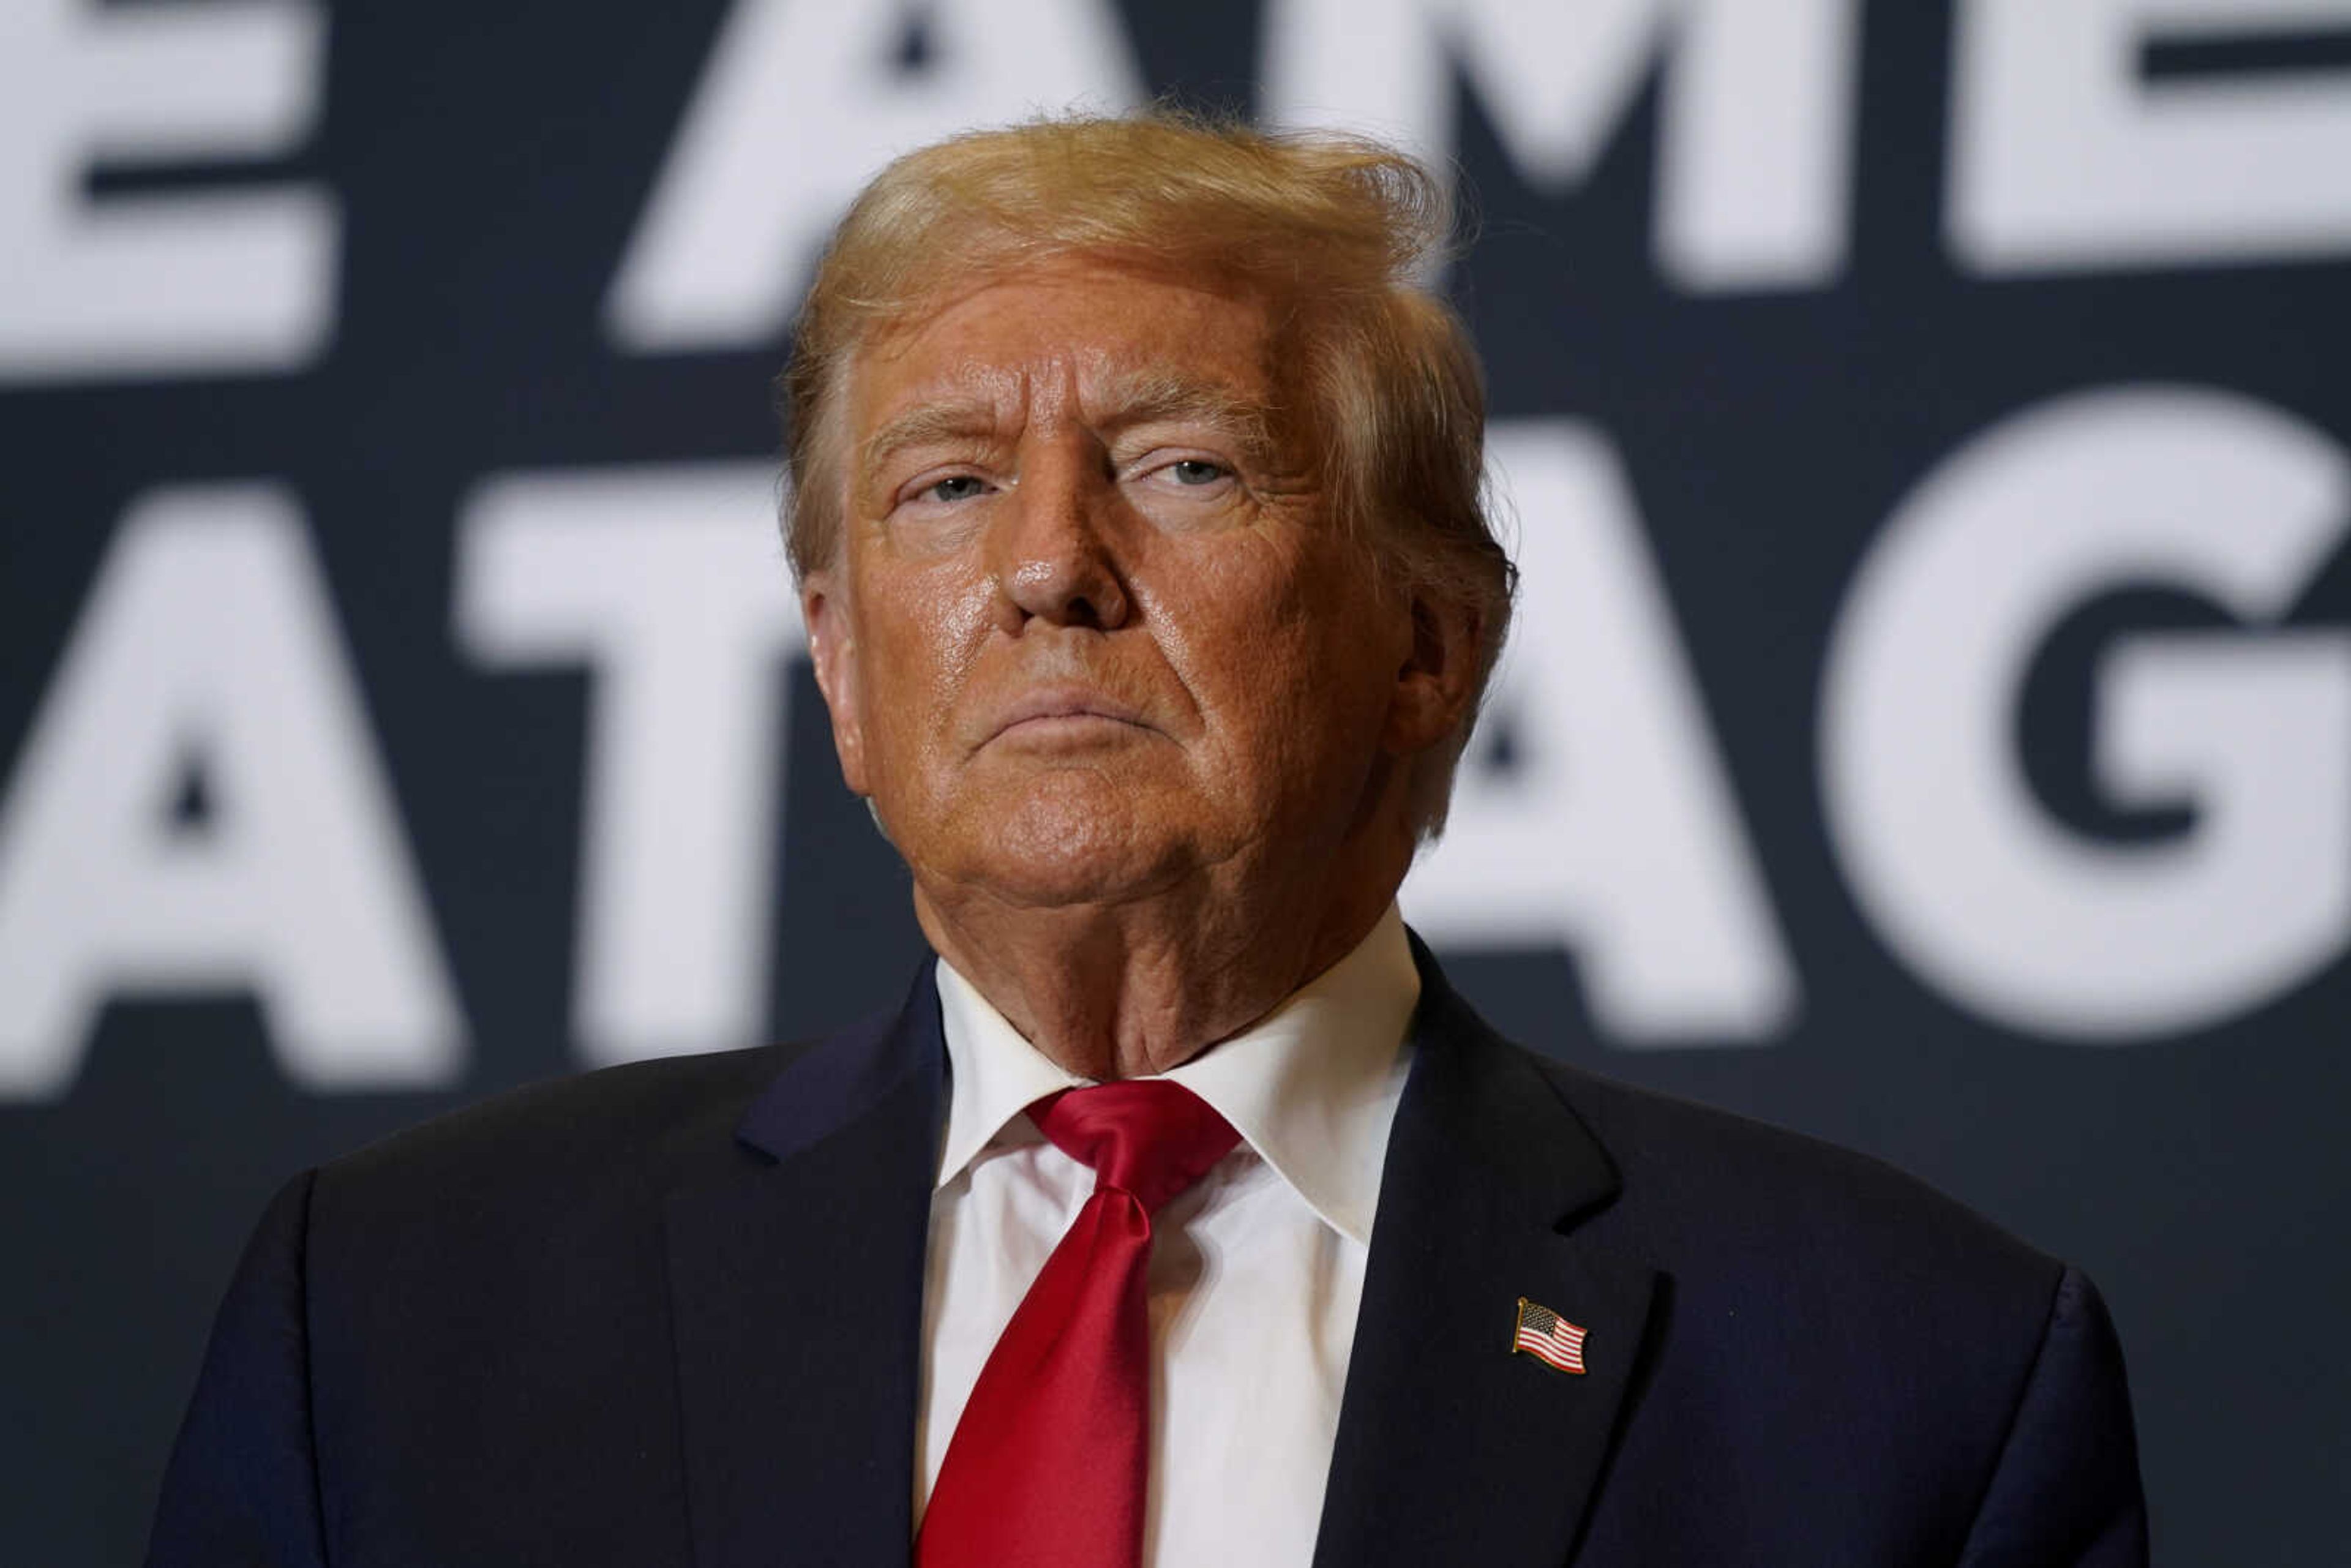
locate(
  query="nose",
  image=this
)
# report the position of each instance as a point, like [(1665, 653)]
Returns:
[(1053, 544)]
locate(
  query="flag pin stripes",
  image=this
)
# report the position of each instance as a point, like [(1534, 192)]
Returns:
[(1548, 1337)]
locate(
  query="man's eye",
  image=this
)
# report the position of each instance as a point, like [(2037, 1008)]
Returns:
[(1196, 471), (956, 487)]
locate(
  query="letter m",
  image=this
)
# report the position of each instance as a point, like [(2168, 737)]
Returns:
[(1753, 172)]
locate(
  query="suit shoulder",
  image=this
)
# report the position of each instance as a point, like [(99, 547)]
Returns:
[(1699, 1179), (658, 1121)]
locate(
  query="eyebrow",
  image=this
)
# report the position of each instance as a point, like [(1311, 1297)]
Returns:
[(920, 425), (1148, 398), (1167, 398)]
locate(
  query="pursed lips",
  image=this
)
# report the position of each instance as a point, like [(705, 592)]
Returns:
[(1056, 707)]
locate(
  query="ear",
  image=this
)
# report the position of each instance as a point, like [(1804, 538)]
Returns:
[(833, 649), (1438, 678)]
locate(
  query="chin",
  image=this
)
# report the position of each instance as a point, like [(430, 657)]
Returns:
[(1073, 839)]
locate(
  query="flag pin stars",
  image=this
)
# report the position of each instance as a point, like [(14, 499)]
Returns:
[(1548, 1337)]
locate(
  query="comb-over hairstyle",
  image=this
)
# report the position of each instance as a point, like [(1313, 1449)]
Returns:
[(1332, 232)]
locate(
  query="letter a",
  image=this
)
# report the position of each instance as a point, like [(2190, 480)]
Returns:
[(208, 641)]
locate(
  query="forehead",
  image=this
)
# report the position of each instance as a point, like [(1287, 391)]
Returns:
[(1065, 339)]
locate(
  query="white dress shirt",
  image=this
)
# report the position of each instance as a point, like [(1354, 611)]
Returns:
[(1256, 1272)]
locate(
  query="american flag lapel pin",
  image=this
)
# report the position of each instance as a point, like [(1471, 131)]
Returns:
[(1548, 1337)]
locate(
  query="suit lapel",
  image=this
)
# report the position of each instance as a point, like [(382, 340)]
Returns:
[(796, 1292), (1451, 1448)]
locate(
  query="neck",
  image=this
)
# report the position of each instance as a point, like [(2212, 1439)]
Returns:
[(1124, 989)]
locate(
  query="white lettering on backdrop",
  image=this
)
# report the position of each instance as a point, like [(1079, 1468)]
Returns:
[(2063, 159), (800, 105), (209, 645), (1962, 873), (158, 285), (1615, 834), (1753, 182), (669, 583)]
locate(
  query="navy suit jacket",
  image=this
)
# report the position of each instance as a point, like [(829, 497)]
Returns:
[(671, 1314)]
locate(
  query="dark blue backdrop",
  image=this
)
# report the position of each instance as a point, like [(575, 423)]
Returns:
[(1931, 725)]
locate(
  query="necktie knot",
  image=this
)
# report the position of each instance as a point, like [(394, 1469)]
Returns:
[(1145, 1136)]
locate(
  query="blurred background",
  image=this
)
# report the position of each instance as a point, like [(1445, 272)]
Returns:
[(1929, 726)]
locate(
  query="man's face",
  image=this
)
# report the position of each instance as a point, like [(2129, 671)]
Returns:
[(1092, 631)]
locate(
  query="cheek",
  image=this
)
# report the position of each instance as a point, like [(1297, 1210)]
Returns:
[(919, 653), (1287, 658)]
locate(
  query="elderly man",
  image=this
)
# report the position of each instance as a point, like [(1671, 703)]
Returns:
[(1182, 1215)]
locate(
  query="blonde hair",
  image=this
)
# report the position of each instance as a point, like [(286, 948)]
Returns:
[(1332, 231)]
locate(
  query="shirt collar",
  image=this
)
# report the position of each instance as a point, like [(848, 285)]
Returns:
[(1313, 1086)]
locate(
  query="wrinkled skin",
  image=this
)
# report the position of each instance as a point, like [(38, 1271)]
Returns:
[(1133, 708)]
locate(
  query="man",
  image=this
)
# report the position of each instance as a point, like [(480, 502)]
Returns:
[(1182, 1214)]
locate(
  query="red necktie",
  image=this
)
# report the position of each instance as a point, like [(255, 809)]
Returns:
[(1046, 1466)]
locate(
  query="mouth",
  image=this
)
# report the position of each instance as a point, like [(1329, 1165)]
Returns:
[(1074, 712)]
